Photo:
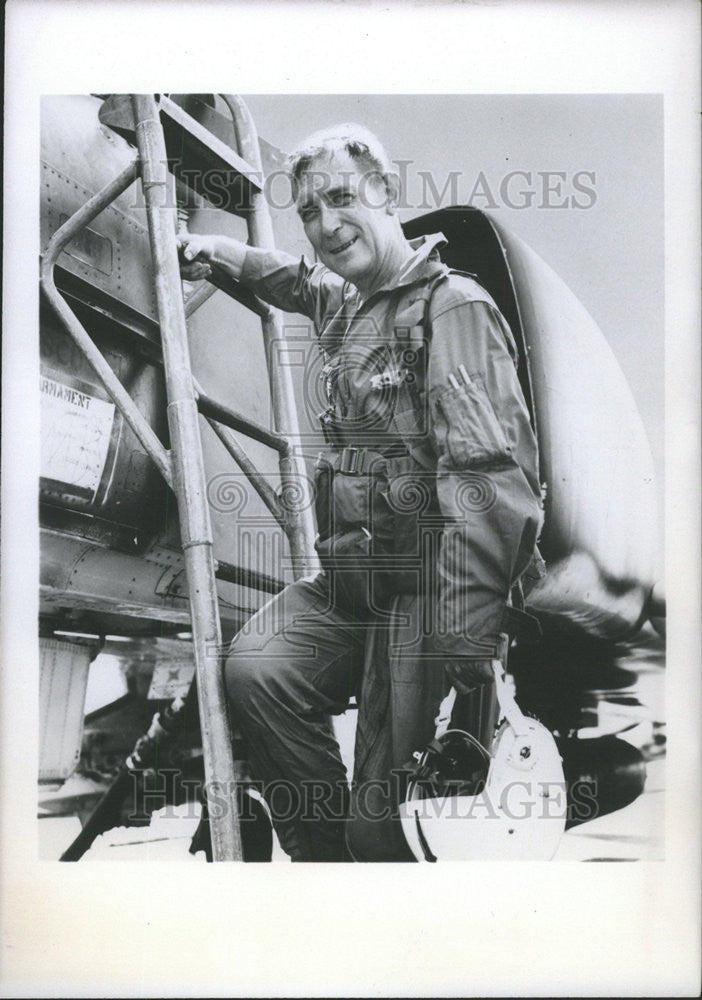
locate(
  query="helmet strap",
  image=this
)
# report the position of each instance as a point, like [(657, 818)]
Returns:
[(443, 719), (508, 706), (509, 709)]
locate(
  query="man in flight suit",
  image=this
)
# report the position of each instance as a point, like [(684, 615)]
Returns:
[(427, 499)]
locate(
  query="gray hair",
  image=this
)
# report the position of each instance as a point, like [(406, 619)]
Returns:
[(356, 140)]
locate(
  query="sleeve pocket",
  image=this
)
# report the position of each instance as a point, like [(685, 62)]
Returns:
[(473, 434)]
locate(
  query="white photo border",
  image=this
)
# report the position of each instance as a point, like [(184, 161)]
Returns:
[(485, 930)]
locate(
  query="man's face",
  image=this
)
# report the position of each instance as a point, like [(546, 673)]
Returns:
[(347, 216)]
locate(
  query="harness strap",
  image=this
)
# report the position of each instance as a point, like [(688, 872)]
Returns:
[(411, 335)]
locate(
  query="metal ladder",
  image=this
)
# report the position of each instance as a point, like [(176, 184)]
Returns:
[(183, 466)]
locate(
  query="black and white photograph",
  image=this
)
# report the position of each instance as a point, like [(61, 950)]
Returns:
[(346, 507), (458, 380)]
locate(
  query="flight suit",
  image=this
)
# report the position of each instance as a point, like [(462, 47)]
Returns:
[(428, 509)]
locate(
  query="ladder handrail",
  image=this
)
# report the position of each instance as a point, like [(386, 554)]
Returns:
[(123, 401), (301, 530), (183, 466), (191, 486), (120, 396)]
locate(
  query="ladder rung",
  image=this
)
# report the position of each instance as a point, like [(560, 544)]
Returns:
[(238, 292), (208, 143), (198, 150), (247, 578), (195, 151), (230, 418)]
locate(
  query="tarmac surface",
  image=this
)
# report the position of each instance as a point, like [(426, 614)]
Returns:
[(633, 712)]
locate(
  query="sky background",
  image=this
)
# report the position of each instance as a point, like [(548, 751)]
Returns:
[(611, 254)]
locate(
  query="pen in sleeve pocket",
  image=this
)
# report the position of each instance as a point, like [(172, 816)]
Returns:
[(464, 374), (465, 378)]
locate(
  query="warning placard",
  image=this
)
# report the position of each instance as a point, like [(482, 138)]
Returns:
[(75, 434), (171, 679)]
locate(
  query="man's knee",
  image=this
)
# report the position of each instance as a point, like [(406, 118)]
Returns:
[(255, 677), (245, 673)]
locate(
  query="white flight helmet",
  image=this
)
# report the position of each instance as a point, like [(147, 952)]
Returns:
[(464, 803)]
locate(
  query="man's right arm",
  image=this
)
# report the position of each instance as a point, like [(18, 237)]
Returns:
[(285, 282)]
